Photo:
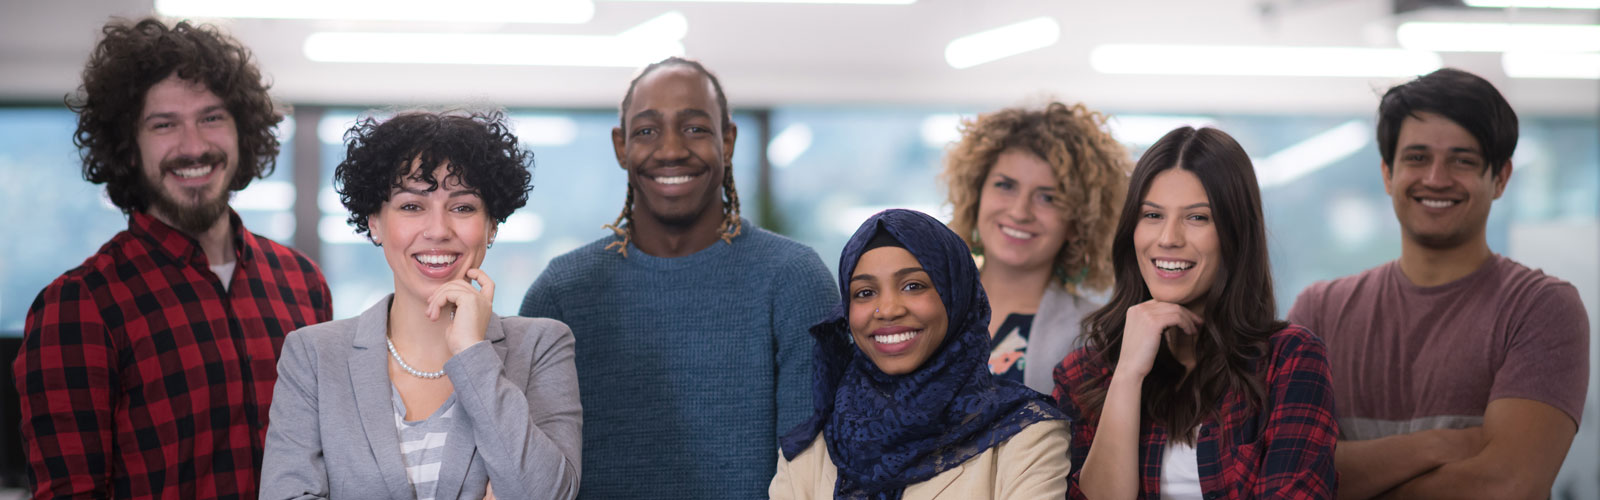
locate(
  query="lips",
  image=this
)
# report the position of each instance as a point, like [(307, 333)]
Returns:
[(1017, 234), (436, 264), (894, 340), (1436, 203), (1170, 268)]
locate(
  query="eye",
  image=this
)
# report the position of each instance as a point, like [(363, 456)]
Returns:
[(695, 129), (1150, 214), (466, 209), (1047, 198), (1005, 185), (409, 207), (864, 293), (643, 131), (1199, 217), (1414, 158), (213, 118), (913, 286), (160, 125)]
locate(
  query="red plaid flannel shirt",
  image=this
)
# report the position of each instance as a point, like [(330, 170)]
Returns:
[(141, 377), (1291, 457)]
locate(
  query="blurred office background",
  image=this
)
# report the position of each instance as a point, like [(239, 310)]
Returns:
[(844, 108)]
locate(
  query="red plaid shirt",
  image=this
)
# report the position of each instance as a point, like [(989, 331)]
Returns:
[(1291, 457), (141, 377)]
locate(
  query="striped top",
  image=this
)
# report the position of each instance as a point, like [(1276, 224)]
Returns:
[(422, 443)]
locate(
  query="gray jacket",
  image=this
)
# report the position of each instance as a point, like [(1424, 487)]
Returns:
[(332, 432), (1053, 335)]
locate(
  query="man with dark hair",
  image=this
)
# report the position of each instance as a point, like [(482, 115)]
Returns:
[(147, 371), (691, 325), (1458, 372)]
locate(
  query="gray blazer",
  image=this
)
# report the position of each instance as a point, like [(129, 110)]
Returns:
[(1052, 335), (332, 433)]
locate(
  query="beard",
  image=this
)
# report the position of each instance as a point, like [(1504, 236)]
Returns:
[(188, 209)]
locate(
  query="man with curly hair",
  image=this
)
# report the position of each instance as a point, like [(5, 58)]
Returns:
[(690, 324), (147, 371)]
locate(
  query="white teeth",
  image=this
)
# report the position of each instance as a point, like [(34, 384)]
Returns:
[(1437, 203), (1015, 233), (896, 338), (1172, 265), (436, 259), (192, 172), (675, 180)]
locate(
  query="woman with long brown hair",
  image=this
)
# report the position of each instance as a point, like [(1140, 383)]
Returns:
[(1188, 385)]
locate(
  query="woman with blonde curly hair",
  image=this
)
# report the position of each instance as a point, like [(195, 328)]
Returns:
[(1037, 193)]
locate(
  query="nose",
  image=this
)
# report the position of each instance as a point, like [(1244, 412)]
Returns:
[(673, 147), (1020, 209), (191, 142), (435, 226), (888, 306), (1171, 234), (1438, 174)]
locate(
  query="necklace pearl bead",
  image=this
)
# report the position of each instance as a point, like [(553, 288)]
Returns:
[(413, 371)]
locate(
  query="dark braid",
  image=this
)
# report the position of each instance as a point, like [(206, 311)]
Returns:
[(731, 224), (623, 226)]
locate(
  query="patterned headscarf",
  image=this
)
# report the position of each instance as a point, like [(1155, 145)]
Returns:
[(885, 432)]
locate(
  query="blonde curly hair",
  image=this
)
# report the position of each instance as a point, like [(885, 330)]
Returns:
[(1091, 173)]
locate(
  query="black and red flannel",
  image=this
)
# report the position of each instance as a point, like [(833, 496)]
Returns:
[(142, 377), (1291, 457)]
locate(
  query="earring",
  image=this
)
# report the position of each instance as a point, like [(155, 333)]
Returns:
[(491, 244)]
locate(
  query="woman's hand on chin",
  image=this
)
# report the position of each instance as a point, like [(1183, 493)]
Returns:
[(466, 307), (1142, 333)]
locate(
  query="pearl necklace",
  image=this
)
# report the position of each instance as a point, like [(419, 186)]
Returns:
[(413, 371)]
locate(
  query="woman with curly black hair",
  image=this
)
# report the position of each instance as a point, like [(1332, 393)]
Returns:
[(428, 394)]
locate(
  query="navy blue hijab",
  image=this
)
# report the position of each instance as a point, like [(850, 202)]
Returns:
[(885, 432)]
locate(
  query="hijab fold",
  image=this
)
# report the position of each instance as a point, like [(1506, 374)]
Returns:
[(885, 432)]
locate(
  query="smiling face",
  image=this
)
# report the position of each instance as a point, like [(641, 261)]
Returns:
[(188, 153), (896, 317), (675, 148), (1019, 213), (1439, 183), (431, 237), (1176, 240)]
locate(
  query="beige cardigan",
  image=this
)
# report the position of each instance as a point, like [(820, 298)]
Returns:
[(1032, 464)]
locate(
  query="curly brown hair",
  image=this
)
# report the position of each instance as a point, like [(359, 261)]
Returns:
[(134, 56), (1091, 172)]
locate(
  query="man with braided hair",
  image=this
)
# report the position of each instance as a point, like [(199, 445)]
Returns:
[(691, 324)]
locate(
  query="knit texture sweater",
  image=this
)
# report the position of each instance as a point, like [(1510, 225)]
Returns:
[(689, 368)]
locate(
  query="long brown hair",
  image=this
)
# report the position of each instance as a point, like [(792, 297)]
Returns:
[(1240, 311)]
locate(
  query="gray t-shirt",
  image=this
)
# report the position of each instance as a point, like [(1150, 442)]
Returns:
[(1406, 358), (422, 443)]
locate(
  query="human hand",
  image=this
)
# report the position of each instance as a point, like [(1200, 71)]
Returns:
[(466, 307), (1143, 332)]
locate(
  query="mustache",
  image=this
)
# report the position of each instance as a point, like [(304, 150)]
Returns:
[(186, 161)]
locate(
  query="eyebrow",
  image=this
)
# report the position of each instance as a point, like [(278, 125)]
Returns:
[(897, 274), (453, 194), (1197, 205), (1421, 147), (173, 115), (1007, 177)]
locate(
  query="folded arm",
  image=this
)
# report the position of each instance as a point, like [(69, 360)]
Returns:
[(1525, 443)]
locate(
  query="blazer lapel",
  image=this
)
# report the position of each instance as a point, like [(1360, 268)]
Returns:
[(369, 373), (461, 448)]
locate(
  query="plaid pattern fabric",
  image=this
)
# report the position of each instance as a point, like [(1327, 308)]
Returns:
[(141, 377), (1291, 457)]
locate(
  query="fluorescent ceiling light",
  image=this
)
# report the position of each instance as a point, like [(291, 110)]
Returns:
[(1498, 37), (1579, 65), (788, 145), (1002, 42), (940, 130), (1144, 130), (1313, 154), (544, 130), (649, 42), (483, 11), (1536, 4), (1152, 59), (832, 2)]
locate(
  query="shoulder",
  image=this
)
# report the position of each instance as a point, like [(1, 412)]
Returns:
[(92, 276), (1297, 354), (1338, 289), (1041, 434), (1078, 367), (763, 245), (283, 256), (583, 260), (330, 335), (1296, 340), (1521, 280)]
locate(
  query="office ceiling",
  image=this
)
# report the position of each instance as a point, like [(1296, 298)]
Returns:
[(828, 55)]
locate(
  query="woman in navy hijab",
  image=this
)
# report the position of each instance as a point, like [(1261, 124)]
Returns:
[(905, 404)]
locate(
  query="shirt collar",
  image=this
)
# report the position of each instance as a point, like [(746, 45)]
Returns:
[(182, 247)]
